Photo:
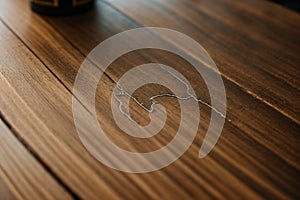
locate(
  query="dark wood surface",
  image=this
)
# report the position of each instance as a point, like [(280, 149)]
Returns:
[(256, 47)]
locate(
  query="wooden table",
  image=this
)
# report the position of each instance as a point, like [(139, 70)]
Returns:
[(256, 46)]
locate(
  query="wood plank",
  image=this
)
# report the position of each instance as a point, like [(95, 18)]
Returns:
[(112, 22), (21, 175), (226, 164), (251, 47), (25, 105), (94, 29), (23, 95)]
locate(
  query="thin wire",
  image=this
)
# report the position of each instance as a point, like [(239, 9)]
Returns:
[(123, 92)]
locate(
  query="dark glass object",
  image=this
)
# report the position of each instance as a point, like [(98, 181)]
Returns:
[(291, 4), (60, 7)]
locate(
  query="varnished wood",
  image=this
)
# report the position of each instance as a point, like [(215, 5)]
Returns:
[(22, 176), (262, 141), (246, 43)]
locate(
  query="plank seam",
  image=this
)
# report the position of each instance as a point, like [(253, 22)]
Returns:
[(37, 157), (42, 62), (255, 96)]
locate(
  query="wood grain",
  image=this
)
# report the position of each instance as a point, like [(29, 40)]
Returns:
[(32, 108), (249, 55), (248, 113), (22, 176), (262, 141)]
